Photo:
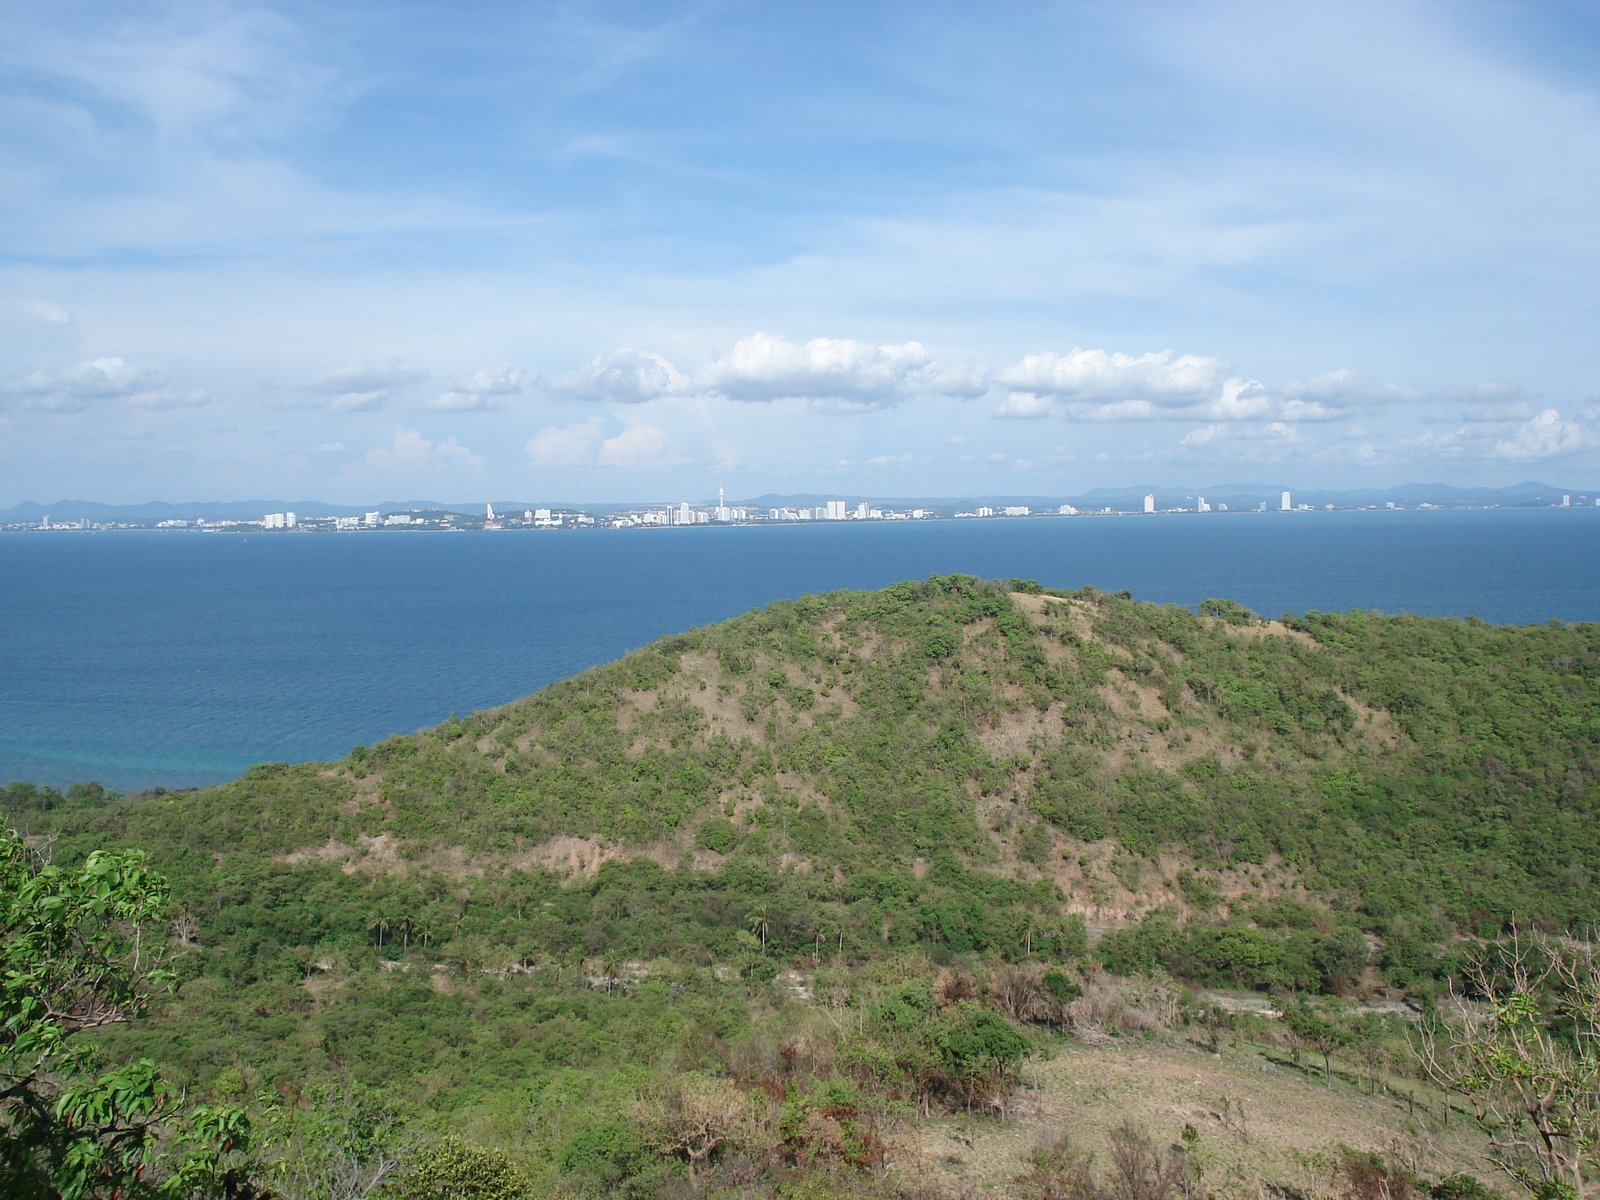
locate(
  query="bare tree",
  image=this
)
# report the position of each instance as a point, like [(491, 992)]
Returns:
[(1139, 1171), (698, 1117), (343, 1146), (1528, 1061)]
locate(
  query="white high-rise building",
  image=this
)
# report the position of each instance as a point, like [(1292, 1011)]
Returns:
[(1149, 504), (1566, 502), (1286, 505), (488, 512), (1067, 510), (986, 511), (685, 514), (835, 510), (723, 512), (1018, 510), (370, 519), (288, 520), (1202, 506), (863, 511)]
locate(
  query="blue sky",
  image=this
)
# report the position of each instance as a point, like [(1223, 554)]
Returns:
[(629, 251)]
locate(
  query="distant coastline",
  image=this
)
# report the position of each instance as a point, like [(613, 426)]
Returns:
[(423, 515)]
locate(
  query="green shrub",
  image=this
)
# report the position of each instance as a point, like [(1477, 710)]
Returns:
[(717, 834), (454, 1169)]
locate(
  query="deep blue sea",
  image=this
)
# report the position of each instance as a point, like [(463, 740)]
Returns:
[(180, 658)]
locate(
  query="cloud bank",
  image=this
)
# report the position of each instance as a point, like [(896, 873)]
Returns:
[(100, 380), (763, 368)]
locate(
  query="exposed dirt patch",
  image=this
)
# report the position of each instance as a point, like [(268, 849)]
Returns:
[(1021, 731), (575, 856), (1095, 878), (319, 985), (1265, 629)]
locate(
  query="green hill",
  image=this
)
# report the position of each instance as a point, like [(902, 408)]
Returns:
[(952, 772)]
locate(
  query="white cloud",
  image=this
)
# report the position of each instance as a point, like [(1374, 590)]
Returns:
[(364, 387), (167, 399), (1270, 442), (462, 402), (479, 392), (1102, 386), (48, 311), (1025, 405), (625, 376), (563, 447), (765, 367), (411, 453), (330, 447), (1545, 436), (1095, 375), (76, 388), (889, 460), (635, 447)]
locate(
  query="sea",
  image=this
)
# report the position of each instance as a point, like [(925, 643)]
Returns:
[(177, 659)]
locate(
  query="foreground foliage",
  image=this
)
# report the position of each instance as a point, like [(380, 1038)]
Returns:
[(75, 956)]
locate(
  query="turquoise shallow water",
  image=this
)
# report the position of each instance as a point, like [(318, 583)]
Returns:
[(180, 658)]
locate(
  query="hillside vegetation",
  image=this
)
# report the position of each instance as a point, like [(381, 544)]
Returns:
[(564, 901)]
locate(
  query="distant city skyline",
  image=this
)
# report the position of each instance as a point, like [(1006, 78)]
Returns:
[(616, 252), (317, 514)]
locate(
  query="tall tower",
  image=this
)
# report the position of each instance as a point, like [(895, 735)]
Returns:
[(488, 512)]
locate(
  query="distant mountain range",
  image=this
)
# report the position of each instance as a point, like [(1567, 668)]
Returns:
[(1530, 494)]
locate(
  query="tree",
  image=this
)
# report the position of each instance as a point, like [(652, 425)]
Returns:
[(759, 924), (980, 1048), (698, 1117), (78, 948), (1530, 1064), (342, 1145), (1322, 1033)]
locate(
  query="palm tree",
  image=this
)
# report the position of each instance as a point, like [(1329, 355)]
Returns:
[(757, 920), (1032, 925)]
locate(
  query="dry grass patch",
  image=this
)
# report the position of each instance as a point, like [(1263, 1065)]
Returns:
[(1258, 1124)]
